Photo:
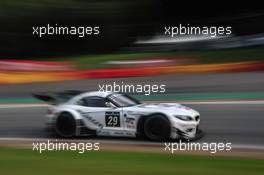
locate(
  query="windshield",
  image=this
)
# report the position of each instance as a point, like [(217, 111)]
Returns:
[(123, 100)]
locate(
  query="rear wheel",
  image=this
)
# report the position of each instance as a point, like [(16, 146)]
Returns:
[(157, 128), (65, 125)]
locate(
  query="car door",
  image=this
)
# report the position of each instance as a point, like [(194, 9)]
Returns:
[(94, 108)]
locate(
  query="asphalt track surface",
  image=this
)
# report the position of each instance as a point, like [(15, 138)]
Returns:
[(235, 123), (180, 83)]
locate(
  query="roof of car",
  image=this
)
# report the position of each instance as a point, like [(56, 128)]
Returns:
[(97, 93)]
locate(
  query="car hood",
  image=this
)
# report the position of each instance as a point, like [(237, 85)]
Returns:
[(168, 108)]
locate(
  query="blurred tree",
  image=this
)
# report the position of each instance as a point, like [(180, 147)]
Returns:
[(120, 21)]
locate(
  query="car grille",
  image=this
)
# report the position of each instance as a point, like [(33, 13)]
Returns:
[(197, 118)]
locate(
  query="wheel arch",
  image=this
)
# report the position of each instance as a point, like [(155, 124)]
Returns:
[(74, 113)]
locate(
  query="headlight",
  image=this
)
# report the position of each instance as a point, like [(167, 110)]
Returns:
[(184, 117)]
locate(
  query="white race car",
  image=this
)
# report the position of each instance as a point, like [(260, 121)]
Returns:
[(75, 113)]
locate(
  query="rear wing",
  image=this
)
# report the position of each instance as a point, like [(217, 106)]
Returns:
[(56, 98)]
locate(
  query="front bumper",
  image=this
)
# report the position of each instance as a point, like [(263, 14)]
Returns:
[(184, 129)]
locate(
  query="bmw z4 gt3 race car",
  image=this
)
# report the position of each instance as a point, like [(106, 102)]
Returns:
[(75, 113)]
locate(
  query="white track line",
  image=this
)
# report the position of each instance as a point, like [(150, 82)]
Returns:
[(256, 102), (253, 102), (5, 106)]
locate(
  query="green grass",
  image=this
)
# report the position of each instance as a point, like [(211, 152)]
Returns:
[(27, 162), (98, 61), (202, 56), (228, 55)]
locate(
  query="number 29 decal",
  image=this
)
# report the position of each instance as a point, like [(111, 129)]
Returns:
[(112, 119)]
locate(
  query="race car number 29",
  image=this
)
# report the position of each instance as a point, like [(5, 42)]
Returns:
[(112, 119)]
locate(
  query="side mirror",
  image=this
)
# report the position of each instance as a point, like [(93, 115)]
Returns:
[(110, 105)]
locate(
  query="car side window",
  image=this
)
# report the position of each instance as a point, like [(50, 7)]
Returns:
[(81, 102), (92, 102)]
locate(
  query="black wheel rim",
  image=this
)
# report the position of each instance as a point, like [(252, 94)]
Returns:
[(157, 129), (65, 125)]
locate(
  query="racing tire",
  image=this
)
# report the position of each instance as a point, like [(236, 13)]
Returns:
[(157, 128), (65, 125)]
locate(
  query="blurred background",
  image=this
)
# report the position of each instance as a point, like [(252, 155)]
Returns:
[(130, 32), (221, 77), (122, 23)]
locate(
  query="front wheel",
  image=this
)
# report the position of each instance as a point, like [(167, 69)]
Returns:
[(157, 128)]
